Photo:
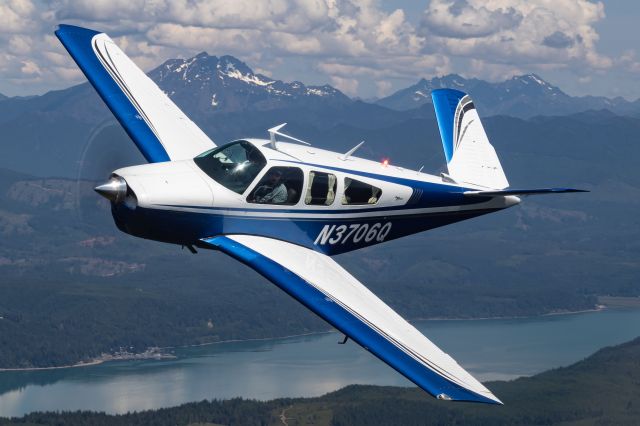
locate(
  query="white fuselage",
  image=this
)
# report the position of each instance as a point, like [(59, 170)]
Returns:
[(179, 202)]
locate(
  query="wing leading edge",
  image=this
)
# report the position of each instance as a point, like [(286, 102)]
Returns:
[(160, 130), (324, 287)]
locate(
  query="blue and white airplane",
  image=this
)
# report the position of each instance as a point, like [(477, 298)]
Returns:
[(283, 208)]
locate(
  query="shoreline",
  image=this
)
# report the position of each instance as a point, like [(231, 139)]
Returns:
[(59, 367), (598, 308), (110, 358), (150, 353)]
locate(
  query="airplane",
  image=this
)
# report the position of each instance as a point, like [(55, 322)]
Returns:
[(285, 207)]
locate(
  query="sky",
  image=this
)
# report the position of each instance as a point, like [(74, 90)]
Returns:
[(366, 48)]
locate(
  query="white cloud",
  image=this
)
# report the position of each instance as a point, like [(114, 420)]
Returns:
[(518, 33), (30, 68), (629, 61), (383, 88), (346, 85), (16, 16), (463, 19), (345, 42), (19, 44)]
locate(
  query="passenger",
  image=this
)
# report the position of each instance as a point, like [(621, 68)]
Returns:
[(272, 191)]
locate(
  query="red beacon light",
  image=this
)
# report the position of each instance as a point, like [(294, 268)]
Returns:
[(385, 162)]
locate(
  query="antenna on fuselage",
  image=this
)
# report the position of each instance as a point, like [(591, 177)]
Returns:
[(275, 131), (351, 151)]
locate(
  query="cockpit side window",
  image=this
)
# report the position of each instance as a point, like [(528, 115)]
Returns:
[(234, 166), (356, 192), (280, 185), (321, 189)]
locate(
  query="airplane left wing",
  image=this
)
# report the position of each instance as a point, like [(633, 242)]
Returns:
[(323, 286)]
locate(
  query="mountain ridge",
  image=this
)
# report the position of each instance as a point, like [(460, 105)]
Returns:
[(522, 96), (206, 84), (227, 84), (228, 100)]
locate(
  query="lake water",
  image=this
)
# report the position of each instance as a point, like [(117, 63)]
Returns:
[(311, 365)]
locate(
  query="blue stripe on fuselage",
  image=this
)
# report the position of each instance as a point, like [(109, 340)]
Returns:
[(187, 227)]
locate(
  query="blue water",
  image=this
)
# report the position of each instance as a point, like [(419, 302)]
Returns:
[(311, 365)]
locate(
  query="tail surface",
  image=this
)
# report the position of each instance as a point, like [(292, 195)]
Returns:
[(160, 130), (470, 156)]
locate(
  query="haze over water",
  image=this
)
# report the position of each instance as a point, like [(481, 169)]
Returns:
[(311, 365)]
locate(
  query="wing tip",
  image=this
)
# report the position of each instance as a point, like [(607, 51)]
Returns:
[(66, 30), (468, 395), (490, 398)]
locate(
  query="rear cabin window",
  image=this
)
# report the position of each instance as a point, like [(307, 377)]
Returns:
[(321, 190), (356, 192), (280, 185)]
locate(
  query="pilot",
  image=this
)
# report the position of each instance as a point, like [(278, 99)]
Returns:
[(273, 191)]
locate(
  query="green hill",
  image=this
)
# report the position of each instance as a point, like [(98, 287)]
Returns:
[(602, 389)]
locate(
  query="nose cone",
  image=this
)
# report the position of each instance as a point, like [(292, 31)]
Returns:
[(114, 190)]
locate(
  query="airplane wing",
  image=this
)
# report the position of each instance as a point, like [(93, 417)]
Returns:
[(157, 126), (323, 286)]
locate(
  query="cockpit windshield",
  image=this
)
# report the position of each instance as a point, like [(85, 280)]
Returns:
[(234, 165)]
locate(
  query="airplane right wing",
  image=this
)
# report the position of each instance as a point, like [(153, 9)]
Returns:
[(324, 287), (160, 130)]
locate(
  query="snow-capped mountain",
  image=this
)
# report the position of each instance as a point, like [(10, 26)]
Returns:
[(209, 84), (520, 96)]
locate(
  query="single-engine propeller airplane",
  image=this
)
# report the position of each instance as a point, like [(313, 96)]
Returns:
[(283, 208)]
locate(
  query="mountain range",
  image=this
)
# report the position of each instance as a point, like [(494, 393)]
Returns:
[(206, 84), (60, 133), (227, 84), (521, 96)]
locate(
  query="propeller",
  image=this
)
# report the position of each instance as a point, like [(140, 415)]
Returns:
[(106, 149)]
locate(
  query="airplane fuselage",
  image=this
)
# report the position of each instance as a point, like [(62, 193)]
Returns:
[(367, 203)]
